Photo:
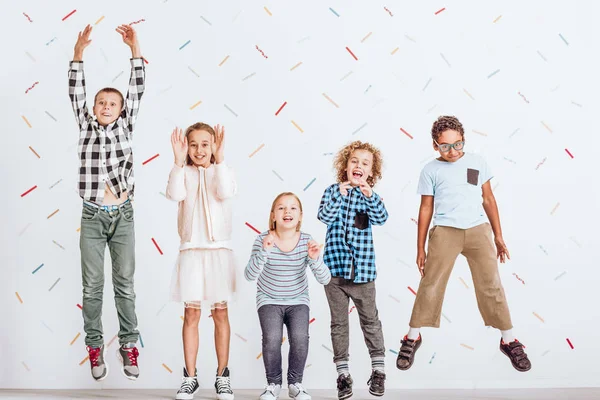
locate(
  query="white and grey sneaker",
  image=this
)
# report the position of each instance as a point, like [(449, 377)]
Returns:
[(128, 355), (223, 386), (98, 365), (271, 392), (297, 391), (189, 387)]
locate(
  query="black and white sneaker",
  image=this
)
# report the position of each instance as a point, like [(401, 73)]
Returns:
[(223, 386), (189, 387)]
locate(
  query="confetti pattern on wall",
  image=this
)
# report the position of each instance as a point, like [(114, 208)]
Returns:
[(290, 94)]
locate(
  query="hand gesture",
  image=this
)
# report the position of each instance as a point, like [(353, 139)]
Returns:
[(83, 41), (503, 254), (313, 249), (421, 258), (218, 145), (344, 187), (130, 38), (268, 241), (180, 146), (365, 188)]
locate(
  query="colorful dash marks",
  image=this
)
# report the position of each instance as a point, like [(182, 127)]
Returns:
[(157, 247), (69, 14)]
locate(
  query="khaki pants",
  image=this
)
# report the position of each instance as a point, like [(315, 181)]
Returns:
[(477, 245)]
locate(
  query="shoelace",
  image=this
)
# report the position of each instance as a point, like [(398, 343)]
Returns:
[(377, 379), (299, 387), (188, 385), (270, 388), (224, 384), (132, 355), (94, 353), (343, 383)]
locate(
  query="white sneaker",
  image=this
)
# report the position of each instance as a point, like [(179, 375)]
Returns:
[(297, 391), (271, 392)]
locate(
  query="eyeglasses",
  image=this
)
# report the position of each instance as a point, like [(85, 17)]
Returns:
[(445, 147)]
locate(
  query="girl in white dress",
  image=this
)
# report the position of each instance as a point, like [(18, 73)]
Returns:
[(204, 275)]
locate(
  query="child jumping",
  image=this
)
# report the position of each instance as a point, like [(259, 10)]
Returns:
[(205, 272), (106, 186), (279, 259), (349, 208), (455, 188)]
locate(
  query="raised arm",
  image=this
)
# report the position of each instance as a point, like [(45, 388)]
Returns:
[(331, 203), (316, 264), (259, 256), (137, 79), (176, 186), (224, 177), (77, 79)]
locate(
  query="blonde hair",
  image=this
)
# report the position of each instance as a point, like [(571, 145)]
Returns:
[(199, 126), (340, 163), (272, 223)]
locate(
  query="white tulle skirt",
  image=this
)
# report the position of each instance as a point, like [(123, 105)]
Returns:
[(204, 277)]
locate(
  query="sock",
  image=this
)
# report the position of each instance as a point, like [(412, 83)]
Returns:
[(413, 333), (508, 336), (378, 364), (128, 345), (342, 368)]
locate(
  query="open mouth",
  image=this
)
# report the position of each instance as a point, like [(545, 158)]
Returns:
[(357, 174), (287, 219), (107, 115)]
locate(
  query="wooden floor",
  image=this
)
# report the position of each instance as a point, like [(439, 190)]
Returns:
[(441, 394)]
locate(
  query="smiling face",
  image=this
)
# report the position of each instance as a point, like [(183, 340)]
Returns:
[(200, 147), (449, 137), (359, 166), (107, 107), (286, 213)]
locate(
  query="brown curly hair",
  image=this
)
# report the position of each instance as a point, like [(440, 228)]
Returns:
[(444, 123), (199, 126), (340, 162)]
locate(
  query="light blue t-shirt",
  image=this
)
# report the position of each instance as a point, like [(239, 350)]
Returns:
[(456, 190)]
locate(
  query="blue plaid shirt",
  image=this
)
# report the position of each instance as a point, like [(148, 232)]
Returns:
[(349, 251)]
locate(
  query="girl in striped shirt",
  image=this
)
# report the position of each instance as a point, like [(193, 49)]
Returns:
[(279, 260)]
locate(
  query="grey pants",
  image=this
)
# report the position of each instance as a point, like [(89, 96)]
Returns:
[(338, 292), (115, 228), (272, 318)]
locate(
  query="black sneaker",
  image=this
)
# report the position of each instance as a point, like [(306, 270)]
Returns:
[(223, 386), (377, 383), (518, 357), (97, 363), (344, 386), (189, 386), (406, 355)]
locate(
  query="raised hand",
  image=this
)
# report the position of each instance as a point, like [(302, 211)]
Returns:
[(83, 41), (218, 145), (180, 146), (313, 249), (365, 188), (268, 241), (130, 38), (344, 187)]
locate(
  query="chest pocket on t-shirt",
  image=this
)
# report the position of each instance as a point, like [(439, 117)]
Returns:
[(361, 220), (472, 176)]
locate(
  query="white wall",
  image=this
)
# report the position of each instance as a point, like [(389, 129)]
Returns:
[(381, 92)]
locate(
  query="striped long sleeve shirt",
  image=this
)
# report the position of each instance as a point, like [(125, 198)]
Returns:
[(282, 275)]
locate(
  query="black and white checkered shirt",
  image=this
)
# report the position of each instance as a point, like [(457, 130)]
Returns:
[(105, 152)]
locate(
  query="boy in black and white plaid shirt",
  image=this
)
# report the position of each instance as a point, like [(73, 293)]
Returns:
[(106, 186)]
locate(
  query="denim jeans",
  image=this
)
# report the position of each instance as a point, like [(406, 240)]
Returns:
[(115, 229), (272, 318)]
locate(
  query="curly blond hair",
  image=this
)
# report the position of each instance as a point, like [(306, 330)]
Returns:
[(340, 161), (444, 123)]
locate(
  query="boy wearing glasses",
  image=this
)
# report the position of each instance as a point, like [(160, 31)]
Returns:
[(457, 187)]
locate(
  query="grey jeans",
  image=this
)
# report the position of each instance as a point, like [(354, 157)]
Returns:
[(272, 318), (115, 229), (339, 291)]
